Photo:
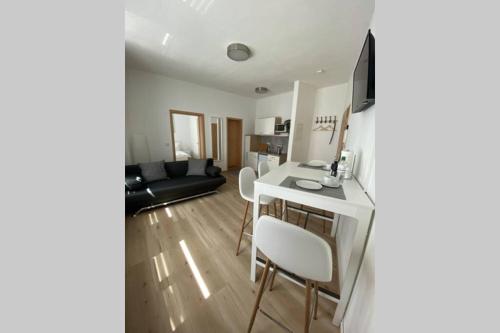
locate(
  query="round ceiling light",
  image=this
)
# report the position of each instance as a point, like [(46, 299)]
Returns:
[(261, 90), (238, 52)]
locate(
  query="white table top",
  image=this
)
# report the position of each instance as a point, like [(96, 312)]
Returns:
[(353, 192)]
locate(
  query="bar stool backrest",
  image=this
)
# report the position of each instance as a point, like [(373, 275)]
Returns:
[(294, 249), (263, 168), (246, 179)]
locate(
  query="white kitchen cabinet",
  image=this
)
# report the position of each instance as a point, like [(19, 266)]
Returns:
[(259, 126), (252, 159), (265, 126)]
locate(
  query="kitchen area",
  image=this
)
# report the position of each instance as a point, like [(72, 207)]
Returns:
[(269, 142)]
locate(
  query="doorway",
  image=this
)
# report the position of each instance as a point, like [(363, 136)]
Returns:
[(234, 143), (188, 135)]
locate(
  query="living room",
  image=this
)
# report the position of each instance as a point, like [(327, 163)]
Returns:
[(245, 131), (191, 207)]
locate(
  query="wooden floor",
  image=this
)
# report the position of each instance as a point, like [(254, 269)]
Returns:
[(163, 294)]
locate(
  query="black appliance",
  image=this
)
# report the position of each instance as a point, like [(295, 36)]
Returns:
[(287, 125), (363, 86), (279, 128)]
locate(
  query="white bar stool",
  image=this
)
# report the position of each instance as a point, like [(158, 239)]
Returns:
[(296, 250), (262, 169), (246, 179)]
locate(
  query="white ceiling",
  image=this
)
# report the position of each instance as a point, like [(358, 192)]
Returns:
[(289, 40)]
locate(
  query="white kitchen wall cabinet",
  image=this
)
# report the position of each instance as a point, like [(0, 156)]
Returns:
[(265, 126)]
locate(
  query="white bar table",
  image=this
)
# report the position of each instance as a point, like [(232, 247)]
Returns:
[(356, 205)]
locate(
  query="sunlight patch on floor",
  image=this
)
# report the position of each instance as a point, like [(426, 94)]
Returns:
[(195, 270)]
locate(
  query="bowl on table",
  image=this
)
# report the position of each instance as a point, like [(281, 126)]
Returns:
[(330, 181), (316, 163)]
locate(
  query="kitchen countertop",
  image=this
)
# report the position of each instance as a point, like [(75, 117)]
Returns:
[(265, 153)]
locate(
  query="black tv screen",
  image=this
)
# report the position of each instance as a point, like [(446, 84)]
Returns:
[(363, 87)]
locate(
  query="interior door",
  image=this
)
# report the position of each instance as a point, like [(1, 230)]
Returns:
[(234, 143)]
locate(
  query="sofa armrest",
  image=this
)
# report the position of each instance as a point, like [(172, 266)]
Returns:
[(213, 171), (133, 182)]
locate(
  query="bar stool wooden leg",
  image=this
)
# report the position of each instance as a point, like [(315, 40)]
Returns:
[(316, 292), (267, 209), (305, 222), (324, 222), (275, 210), (275, 270), (308, 306), (299, 215), (242, 228), (259, 294), (282, 210)]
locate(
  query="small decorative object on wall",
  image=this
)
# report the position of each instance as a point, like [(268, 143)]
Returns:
[(325, 123)]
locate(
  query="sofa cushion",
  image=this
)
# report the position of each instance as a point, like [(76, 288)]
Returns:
[(132, 170), (153, 170), (196, 167), (176, 169), (213, 171)]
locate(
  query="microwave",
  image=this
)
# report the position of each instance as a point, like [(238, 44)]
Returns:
[(281, 128)]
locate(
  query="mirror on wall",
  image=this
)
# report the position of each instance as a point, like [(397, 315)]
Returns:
[(216, 137), (188, 135)]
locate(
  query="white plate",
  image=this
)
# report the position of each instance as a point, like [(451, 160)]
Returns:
[(316, 163), (309, 185)]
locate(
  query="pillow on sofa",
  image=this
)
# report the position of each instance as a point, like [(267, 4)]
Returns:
[(153, 170), (213, 171), (197, 167), (133, 183)]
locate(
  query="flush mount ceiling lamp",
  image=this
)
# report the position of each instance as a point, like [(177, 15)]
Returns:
[(238, 52), (261, 90)]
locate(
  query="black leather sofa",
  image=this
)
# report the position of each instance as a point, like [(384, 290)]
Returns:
[(176, 187)]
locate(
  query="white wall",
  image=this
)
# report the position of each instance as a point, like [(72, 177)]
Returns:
[(304, 96), (359, 317), (329, 101), (275, 106), (149, 97)]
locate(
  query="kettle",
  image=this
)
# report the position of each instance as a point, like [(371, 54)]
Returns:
[(333, 179)]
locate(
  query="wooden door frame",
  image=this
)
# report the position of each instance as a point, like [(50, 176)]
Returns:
[(201, 130), (215, 144), (227, 141)]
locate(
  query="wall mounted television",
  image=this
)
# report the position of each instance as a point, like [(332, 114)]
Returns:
[(363, 85)]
